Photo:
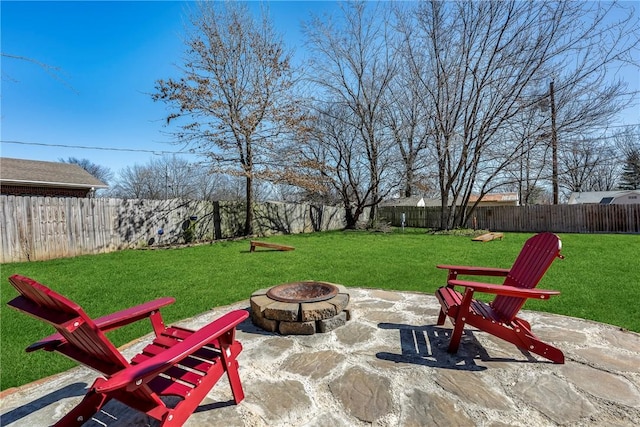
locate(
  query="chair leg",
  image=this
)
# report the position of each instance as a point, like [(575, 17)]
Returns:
[(229, 355), (520, 335), (90, 404), (456, 336), (534, 345), (522, 323), (442, 317), (234, 380), (547, 351), (460, 320)]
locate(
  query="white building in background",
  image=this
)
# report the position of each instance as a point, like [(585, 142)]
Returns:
[(620, 197), (490, 199)]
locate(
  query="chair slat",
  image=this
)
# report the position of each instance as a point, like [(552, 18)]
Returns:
[(71, 322), (183, 375), (167, 387), (499, 316), (528, 269), (179, 362)]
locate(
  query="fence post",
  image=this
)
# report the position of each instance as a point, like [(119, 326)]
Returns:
[(217, 229)]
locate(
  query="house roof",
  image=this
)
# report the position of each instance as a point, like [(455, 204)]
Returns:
[(435, 202), (496, 197), (597, 196), (39, 173), (402, 201)]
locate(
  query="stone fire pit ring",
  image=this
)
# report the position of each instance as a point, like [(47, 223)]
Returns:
[(300, 292), (300, 308)]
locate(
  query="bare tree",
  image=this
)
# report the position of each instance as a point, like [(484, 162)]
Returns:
[(210, 185), (482, 64), (406, 113), (330, 162), (168, 177), (352, 67), (473, 72), (234, 93), (103, 173), (137, 182), (585, 163), (53, 71), (409, 125)]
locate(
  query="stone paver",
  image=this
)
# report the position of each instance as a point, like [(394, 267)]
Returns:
[(279, 402), (472, 389), (604, 385), (612, 359), (554, 398), (314, 365), (365, 395), (388, 366), (426, 409)]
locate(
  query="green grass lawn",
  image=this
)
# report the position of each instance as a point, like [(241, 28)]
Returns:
[(599, 280)]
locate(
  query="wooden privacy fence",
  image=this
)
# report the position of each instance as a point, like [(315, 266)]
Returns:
[(536, 218), (39, 228)]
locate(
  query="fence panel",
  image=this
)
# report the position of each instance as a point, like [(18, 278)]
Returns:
[(38, 228), (536, 218)]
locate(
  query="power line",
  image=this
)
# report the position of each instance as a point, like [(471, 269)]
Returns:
[(83, 147), (158, 152)]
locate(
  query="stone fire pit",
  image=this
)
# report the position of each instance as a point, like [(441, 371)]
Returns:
[(300, 308)]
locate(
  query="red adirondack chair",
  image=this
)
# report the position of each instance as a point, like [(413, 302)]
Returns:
[(499, 317), (179, 362)]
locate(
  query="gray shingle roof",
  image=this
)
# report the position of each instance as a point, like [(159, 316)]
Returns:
[(35, 172), (595, 197)]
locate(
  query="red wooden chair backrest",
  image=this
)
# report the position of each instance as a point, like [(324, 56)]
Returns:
[(534, 260), (85, 342)]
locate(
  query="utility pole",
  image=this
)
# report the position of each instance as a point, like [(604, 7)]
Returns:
[(554, 145)]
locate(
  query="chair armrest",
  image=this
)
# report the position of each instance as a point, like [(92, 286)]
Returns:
[(136, 375), (108, 322), (475, 271), (509, 291), (132, 314)]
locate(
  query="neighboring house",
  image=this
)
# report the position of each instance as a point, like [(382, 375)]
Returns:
[(19, 177), (404, 201), (496, 199), (620, 197), (491, 199)]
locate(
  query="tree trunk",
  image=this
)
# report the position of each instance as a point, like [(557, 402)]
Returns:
[(248, 223), (409, 176), (373, 212), (350, 219)]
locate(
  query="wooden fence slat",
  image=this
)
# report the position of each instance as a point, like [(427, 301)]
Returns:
[(535, 218), (36, 228), (39, 228)]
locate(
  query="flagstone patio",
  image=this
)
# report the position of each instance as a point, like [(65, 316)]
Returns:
[(388, 366)]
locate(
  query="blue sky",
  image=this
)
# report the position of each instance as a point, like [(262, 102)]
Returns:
[(109, 55)]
